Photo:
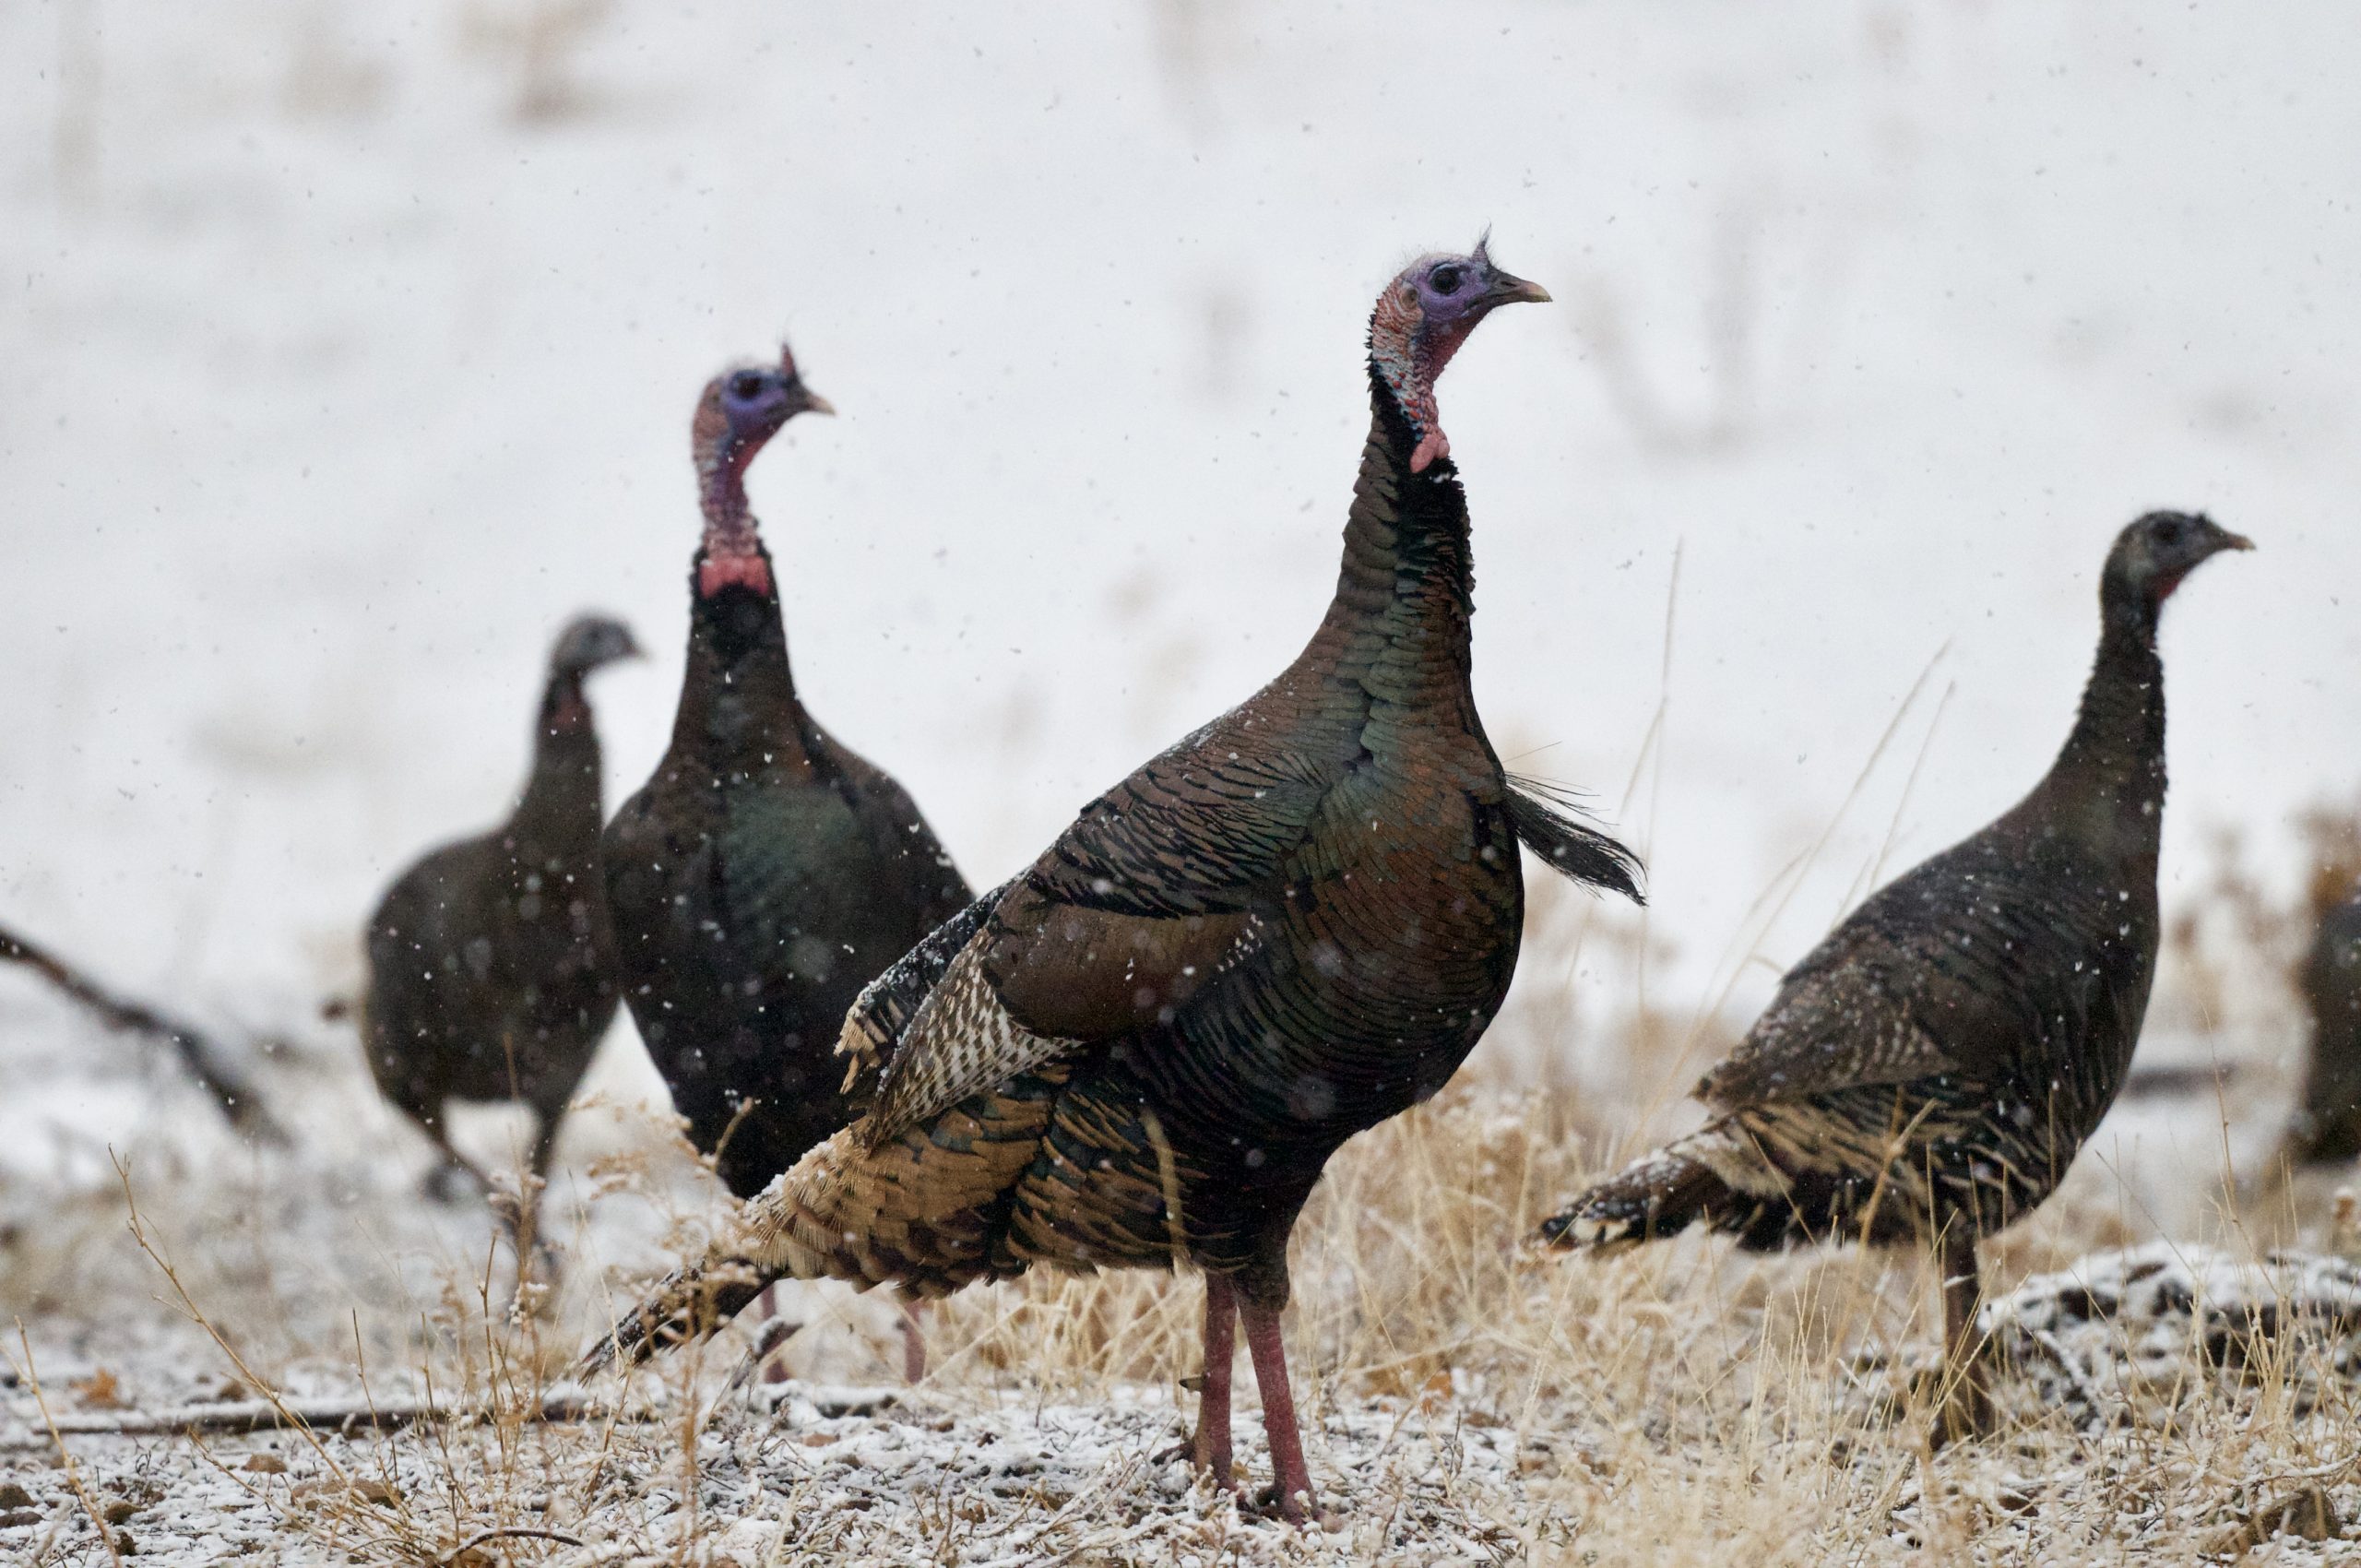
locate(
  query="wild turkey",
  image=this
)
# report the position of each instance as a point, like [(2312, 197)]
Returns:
[(1927, 1072), (766, 872), (2327, 1129), (491, 962), (1289, 927)]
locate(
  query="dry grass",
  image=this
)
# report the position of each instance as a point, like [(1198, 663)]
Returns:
[(1471, 1399), (1475, 1399)]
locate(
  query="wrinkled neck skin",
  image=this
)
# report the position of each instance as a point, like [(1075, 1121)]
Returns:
[(2108, 785), (739, 712), (560, 808), (733, 552), (1407, 355)]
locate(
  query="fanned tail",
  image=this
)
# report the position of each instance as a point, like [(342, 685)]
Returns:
[(1545, 820)]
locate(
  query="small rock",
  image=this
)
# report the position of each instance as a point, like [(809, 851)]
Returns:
[(265, 1463), (13, 1496), (377, 1492), (118, 1511), (17, 1519), (123, 1545)]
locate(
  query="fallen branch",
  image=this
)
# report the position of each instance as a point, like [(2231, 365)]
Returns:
[(2198, 1077), (322, 1416), (196, 1050)]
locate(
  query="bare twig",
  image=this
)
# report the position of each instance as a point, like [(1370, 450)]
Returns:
[(73, 1471), (197, 1050), (316, 1415), (272, 1398), (1876, 873), (2180, 1079)]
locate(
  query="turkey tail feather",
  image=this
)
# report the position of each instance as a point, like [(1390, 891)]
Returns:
[(873, 1028), (1545, 821), (690, 1303), (920, 1210), (1660, 1196)]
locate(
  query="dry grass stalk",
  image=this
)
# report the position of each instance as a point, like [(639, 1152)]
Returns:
[(30, 1375), (1471, 1397)]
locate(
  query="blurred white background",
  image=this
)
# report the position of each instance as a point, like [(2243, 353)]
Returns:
[(349, 349)]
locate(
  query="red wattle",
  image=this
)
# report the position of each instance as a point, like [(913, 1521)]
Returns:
[(719, 572)]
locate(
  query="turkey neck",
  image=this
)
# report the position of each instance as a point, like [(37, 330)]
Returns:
[(739, 714), (1407, 584), (2108, 785), (738, 711), (561, 803)]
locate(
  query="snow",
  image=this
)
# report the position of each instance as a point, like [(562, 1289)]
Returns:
[(834, 1477), (350, 351), (2133, 1326), (336, 384)]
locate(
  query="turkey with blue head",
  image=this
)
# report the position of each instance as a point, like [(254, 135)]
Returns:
[(1292, 925), (766, 872)]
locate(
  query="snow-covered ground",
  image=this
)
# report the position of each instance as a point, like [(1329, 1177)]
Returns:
[(348, 349), (336, 380)]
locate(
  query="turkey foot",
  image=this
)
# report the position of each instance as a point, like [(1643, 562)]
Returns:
[(777, 1330), (1296, 1499), (1209, 1448)]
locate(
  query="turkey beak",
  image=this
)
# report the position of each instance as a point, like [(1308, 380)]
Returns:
[(2236, 541), (1506, 289), (632, 648), (811, 402)]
